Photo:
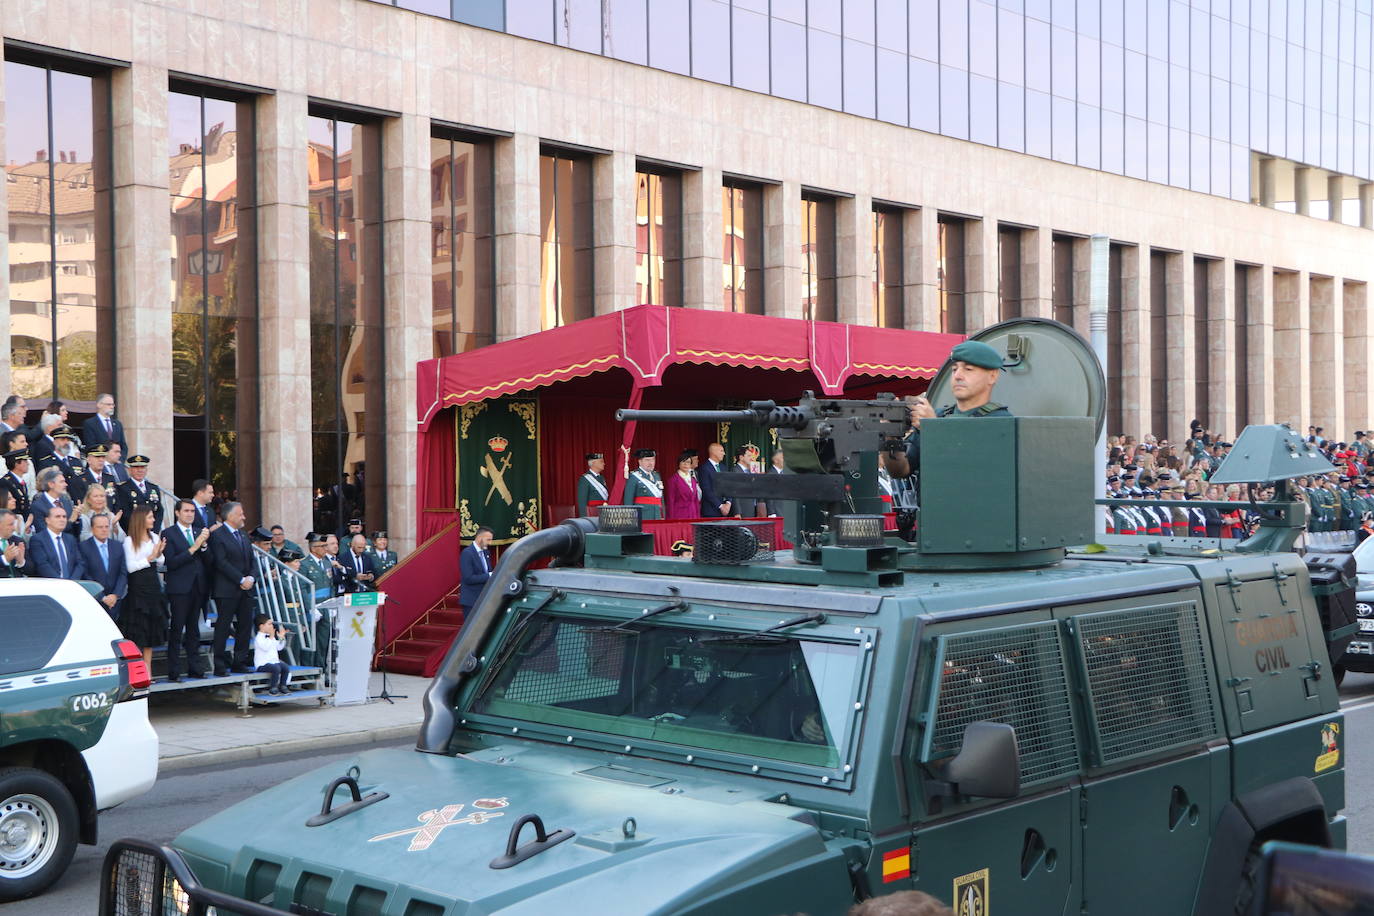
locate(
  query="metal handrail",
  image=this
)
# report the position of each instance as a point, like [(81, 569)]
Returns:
[(286, 596)]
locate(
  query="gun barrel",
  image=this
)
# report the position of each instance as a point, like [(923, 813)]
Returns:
[(626, 414)]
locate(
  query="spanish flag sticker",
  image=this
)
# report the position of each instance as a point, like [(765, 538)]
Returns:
[(897, 864)]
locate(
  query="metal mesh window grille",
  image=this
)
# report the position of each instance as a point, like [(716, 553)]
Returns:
[(141, 886), (1014, 676), (1148, 679), (565, 662)]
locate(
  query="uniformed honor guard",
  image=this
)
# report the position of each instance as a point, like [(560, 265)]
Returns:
[(17, 462), (592, 490), (383, 558), (92, 473), (644, 487), (138, 491)]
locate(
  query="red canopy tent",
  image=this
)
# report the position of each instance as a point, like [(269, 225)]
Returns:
[(651, 356)]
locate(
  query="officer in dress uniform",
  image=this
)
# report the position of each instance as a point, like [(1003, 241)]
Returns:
[(643, 487), (383, 558), (138, 491), (62, 437), (92, 473), (592, 490), (17, 463)]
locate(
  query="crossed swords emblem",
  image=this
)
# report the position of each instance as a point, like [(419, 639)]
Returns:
[(497, 475), (434, 822)]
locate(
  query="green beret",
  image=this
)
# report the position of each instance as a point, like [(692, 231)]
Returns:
[(976, 353)]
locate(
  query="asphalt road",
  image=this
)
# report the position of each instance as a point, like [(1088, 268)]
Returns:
[(1357, 699), (177, 801)]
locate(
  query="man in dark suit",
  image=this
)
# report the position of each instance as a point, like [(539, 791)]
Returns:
[(359, 560), (54, 553), (103, 427), (713, 505), (104, 559), (202, 495), (114, 463), (475, 565), (52, 491), (232, 586), (744, 506), (12, 547), (186, 587)]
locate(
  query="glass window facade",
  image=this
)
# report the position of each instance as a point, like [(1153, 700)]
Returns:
[(463, 209), (211, 180), (888, 275), (658, 238), (951, 272), (1008, 272), (347, 406), (57, 175), (742, 246), (566, 255), (1078, 81), (818, 257)]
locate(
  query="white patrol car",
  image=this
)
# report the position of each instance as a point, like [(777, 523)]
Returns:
[(74, 732)]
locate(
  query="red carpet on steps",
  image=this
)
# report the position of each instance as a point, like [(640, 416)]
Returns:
[(423, 649)]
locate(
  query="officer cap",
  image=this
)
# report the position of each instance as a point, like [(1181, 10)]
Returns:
[(138, 461), (645, 453), (593, 456), (379, 534), (355, 521), (315, 537), (99, 450), (14, 457), (260, 534), (288, 554), (1113, 478), (976, 353), (62, 432)]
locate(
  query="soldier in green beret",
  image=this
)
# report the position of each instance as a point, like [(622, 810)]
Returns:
[(976, 368)]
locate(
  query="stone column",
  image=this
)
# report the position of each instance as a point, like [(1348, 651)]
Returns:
[(1082, 286), (1221, 347), (1292, 349), (407, 212), (1357, 376), (1335, 196), (142, 255), (613, 231), (1302, 190), (518, 236), (782, 254), (1366, 205), (284, 309), (1136, 397), (703, 230), (854, 260), (4, 245), (1268, 182), (920, 270), (1037, 273), (1326, 404), (980, 274), (1181, 359), (1260, 372)]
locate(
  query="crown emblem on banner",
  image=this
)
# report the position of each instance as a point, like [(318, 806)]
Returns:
[(498, 443)]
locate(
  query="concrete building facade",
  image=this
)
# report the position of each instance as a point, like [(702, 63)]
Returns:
[(250, 220)]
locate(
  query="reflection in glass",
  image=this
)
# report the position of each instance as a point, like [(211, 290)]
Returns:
[(462, 209), (1008, 272), (742, 247), (818, 257), (749, 38), (823, 69), (658, 238), (565, 218), (626, 30), (1061, 292), (1202, 347), (710, 39), (950, 273), (668, 23), (888, 277), (347, 394), (57, 176), (789, 60), (214, 300)]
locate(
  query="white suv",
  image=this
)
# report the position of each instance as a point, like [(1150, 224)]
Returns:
[(74, 732)]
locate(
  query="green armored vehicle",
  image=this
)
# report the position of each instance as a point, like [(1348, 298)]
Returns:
[(987, 713)]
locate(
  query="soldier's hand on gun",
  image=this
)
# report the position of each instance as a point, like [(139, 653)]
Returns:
[(921, 409)]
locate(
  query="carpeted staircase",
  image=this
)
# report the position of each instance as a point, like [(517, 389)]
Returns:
[(421, 648)]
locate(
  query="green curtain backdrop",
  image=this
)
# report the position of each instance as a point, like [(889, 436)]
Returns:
[(737, 433), (498, 467)]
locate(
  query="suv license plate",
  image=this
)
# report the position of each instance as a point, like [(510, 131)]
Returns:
[(1367, 625)]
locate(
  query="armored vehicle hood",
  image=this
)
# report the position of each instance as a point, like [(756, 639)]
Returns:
[(447, 818)]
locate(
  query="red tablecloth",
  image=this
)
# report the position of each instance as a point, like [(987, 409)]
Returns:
[(666, 531)]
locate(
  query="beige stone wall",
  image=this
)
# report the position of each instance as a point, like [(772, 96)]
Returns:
[(1307, 300)]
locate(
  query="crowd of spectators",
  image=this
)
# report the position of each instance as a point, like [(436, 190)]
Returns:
[(1152, 469)]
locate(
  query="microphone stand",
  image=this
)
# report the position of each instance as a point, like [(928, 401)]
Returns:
[(381, 663)]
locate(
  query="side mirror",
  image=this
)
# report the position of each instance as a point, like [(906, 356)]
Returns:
[(989, 763)]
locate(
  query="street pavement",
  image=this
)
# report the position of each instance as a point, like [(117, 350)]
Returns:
[(179, 799), (1357, 699)]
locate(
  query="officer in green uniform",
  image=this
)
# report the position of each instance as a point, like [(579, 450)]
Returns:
[(137, 492), (643, 486), (1349, 517), (383, 558), (592, 489), (319, 570), (976, 369)]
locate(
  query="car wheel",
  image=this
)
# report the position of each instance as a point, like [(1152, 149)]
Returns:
[(37, 831), (1338, 672)]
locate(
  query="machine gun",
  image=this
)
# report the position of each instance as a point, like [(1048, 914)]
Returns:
[(831, 444)]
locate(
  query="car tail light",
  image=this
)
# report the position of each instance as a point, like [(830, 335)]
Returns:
[(131, 659)]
